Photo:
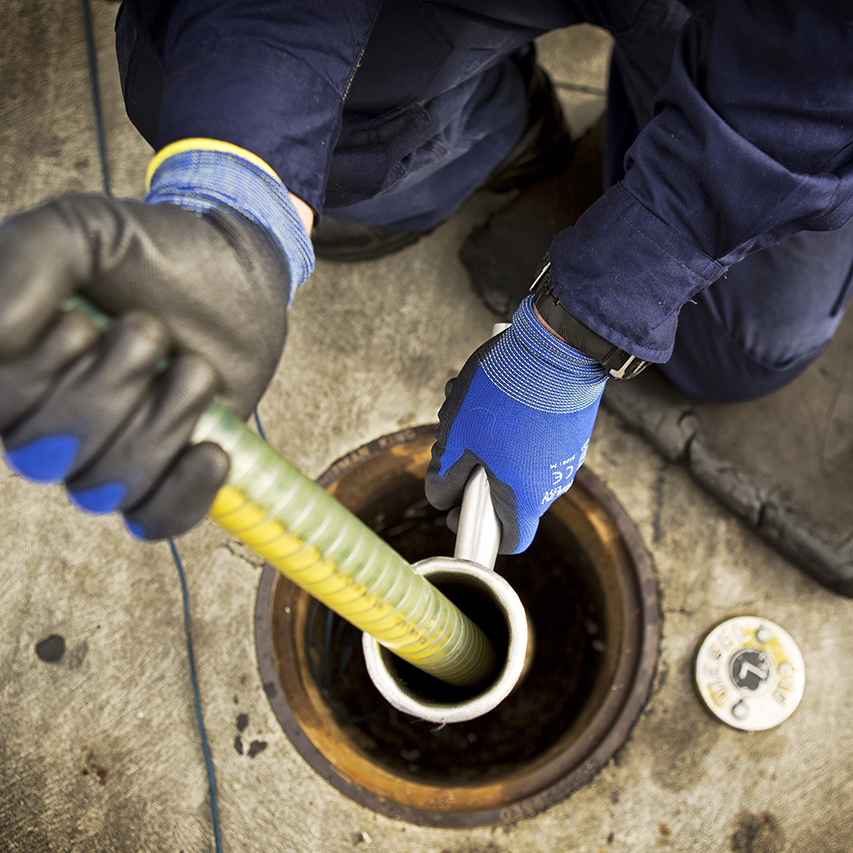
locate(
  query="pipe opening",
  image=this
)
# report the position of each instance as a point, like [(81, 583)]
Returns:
[(476, 601), (590, 597)]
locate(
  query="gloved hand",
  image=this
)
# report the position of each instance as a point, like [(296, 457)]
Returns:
[(524, 407), (201, 273)]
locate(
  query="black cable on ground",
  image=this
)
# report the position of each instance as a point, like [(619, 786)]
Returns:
[(96, 95), (205, 746)]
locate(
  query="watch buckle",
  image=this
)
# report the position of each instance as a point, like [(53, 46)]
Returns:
[(545, 267), (624, 372)]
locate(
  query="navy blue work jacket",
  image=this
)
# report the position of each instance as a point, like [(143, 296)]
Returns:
[(751, 140)]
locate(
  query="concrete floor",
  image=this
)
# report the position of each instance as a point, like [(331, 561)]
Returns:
[(99, 751)]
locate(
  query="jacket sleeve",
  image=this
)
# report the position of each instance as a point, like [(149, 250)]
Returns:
[(751, 142), (269, 77)]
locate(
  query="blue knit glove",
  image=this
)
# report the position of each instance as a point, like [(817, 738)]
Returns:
[(202, 274), (524, 407), (207, 175)]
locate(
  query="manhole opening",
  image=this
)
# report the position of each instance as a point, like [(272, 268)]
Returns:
[(586, 606), (564, 606)]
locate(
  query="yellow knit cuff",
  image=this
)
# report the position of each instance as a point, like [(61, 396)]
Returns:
[(201, 144)]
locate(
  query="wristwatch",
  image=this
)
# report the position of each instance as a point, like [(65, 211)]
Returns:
[(618, 363)]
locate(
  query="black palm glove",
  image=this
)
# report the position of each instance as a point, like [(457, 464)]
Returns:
[(207, 291)]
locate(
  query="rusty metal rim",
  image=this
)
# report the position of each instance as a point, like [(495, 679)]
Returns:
[(551, 779)]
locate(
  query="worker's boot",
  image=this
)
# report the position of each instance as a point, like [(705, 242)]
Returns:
[(339, 240), (503, 254), (545, 146)]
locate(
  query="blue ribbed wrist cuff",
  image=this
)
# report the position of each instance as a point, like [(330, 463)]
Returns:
[(537, 369), (200, 181), (550, 348)]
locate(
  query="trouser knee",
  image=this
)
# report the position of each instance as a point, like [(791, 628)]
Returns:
[(707, 365), (759, 328)]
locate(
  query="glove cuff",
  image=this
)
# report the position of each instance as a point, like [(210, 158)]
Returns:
[(549, 348), (205, 174), (538, 370)]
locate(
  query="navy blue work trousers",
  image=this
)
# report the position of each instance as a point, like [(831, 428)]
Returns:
[(748, 334)]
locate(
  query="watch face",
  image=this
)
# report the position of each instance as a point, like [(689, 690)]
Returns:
[(750, 673)]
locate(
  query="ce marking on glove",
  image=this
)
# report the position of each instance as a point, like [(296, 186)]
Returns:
[(563, 471), (562, 477)]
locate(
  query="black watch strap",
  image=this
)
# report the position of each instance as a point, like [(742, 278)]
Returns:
[(618, 363)]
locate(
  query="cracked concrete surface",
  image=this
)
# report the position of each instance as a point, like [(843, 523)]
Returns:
[(763, 459), (99, 749)]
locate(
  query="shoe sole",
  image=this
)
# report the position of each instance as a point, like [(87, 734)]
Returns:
[(351, 254)]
